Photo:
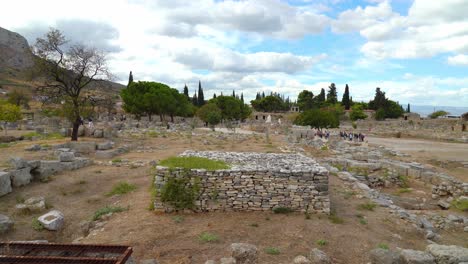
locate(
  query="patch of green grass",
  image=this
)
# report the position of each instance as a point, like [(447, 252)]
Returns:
[(324, 148), (404, 181), (362, 221), (322, 242), (121, 188), (153, 134), (461, 205), (338, 166), (369, 206), (348, 194), (282, 210), (31, 135), (5, 145), (178, 219), (36, 225), (335, 219), (383, 246), (194, 163), (117, 160), (106, 210), (207, 237), (272, 251), (404, 190)]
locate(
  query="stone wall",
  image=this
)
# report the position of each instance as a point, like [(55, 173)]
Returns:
[(251, 185)]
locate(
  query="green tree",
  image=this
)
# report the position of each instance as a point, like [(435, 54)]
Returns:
[(318, 118), (408, 109), (305, 100), (130, 78), (321, 98), (201, 97), (186, 91), (357, 112), (346, 102), (331, 94), (438, 113), (19, 98), (210, 113), (9, 113), (195, 99), (380, 101)]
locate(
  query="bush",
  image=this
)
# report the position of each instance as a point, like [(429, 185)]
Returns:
[(272, 251), (461, 205), (208, 237), (357, 113), (370, 206), (383, 246), (121, 188), (282, 210), (322, 242), (180, 192), (194, 163), (318, 119), (36, 225), (437, 114), (106, 210)]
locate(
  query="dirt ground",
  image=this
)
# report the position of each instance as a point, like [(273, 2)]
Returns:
[(170, 239)]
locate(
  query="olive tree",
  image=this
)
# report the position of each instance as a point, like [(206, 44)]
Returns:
[(9, 113), (70, 71)]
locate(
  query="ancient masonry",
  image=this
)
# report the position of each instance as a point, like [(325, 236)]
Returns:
[(255, 182)]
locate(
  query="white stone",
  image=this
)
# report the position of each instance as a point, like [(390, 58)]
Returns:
[(53, 220)]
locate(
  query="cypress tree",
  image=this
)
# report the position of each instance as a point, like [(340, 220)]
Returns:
[(242, 97), (233, 94), (195, 99), (130, 78), (331, 95), (321, 96), (258, 97), (346, 101), (186, 91), (214, 95), (201, 98), (263, 94), (408, 109)]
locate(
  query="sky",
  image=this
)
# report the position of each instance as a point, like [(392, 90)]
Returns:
[(415, 51)]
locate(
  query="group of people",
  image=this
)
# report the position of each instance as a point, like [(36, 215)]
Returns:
[(352, 136)]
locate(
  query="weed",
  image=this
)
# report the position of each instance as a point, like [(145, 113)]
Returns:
[(181, 192), (460, 204), (324, 148), (121, 188), (254, 225), (335, 219), (267, 218), (153, 134), (178, 219), (282, 210), (118, 160), (404, 182), (348, 194), (106, 210), (19, 199), (322, 242), (363, 221), (207, 237), (383, 246), (272, 251), (404, 190), (194, 163), (98, 171), (36, 225), (5, 145), (82, 182), (369, 206)]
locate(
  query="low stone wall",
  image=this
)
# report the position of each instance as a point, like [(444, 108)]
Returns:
[(246, 187)]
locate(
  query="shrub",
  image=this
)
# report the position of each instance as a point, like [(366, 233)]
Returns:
[(354, 125), (106, 210), (369, 206), (357, 113), (181, 192), (272, 251), (121, 188), (194, 163), (36, 225), (207, 237), (117, 160), (282, 210), (318, 119), (461, 205), (437, 114), (383, 246), (322, 242)]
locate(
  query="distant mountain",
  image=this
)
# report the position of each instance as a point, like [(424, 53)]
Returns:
[(425, 110), (17, 60)]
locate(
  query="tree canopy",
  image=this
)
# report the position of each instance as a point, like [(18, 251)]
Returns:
[(271, 103)]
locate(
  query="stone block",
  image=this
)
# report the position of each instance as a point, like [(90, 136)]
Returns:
[(383, 256), (104, 146), (244, 253), (66, 156), (5, 183), (6, 224), (18, 163), (444, 254), (52, 221), (20, 177), (84, 147), (409, 256)]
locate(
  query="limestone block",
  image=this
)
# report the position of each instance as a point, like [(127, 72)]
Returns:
[(5, 183), (52, 221), (20, 177)]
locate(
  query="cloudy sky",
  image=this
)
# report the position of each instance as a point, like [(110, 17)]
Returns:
[(416, 51)]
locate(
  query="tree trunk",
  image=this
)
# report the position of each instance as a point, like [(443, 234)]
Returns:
[(172, 118), (149, 117), (76, 125), (161, 117)]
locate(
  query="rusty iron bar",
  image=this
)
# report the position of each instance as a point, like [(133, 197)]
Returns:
[(124, 253)]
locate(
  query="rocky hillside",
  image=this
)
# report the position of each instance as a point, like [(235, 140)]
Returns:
[(17, 61), (14, 51)]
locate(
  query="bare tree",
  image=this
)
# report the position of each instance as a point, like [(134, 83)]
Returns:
[(70, 71)]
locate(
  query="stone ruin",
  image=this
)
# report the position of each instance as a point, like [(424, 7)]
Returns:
[(255, 182)]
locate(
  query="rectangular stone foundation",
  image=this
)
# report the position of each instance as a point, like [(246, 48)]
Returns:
[(254, 189)]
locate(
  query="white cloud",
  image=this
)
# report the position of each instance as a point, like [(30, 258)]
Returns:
[(458, 60)]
